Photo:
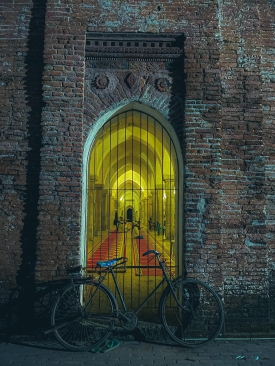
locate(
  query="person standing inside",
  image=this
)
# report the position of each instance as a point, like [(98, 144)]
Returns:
[(116, 222)]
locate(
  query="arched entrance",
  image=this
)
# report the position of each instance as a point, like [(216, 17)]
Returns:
[(129, 215), (133, 199)]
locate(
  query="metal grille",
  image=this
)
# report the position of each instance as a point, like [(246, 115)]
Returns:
[(132, 201)]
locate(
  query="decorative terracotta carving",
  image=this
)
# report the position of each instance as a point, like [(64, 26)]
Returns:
[(130, 65), (163, 84), (101, 82), (130, 80)]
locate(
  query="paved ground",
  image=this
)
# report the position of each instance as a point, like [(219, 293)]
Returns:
[(219, 353)]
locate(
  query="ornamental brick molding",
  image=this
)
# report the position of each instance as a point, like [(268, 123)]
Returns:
[(163, 84), (133, 46), (130, 80), (133, 60), (101, 82)]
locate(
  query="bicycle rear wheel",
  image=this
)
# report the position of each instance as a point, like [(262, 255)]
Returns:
[(83, 315), (197, 318)]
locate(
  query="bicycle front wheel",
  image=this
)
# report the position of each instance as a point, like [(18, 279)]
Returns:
[(82, 315), (197, 316)]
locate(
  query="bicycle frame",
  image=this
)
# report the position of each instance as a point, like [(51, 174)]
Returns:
[(87, 308), (165, 279), (117, 312), (146, 299)]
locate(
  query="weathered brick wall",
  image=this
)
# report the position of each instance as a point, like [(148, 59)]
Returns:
[(61, 153), (229, 138), (245, 40), (14, 145)]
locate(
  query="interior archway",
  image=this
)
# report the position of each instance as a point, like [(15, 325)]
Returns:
[(133, 194)]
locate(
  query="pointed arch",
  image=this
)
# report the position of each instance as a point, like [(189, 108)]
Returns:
[(122, 173)]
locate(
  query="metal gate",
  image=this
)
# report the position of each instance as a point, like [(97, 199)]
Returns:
[(133, 201)]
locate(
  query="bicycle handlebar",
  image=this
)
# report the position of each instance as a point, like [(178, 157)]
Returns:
[(152, 251)]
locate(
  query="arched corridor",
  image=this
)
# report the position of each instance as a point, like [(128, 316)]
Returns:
[(133, 186)]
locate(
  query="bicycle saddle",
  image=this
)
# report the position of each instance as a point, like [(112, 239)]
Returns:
[(108, 263)]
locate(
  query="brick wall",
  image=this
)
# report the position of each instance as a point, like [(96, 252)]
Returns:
[(16, 126), (228, 139)]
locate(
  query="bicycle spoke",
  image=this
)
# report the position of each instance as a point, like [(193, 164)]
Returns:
[(196, 318), (82, 317)]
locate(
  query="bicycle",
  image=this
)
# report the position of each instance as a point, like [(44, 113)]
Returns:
[(84, 312)]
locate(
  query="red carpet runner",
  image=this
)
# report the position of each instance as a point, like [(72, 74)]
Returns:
[(112, 247)]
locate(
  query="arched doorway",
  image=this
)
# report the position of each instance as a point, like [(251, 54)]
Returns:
[(133, 190), (129, 215)]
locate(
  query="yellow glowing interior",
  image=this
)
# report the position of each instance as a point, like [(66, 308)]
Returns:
[(132, 172)]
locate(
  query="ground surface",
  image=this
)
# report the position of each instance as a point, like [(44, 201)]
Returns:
[(218, 353)]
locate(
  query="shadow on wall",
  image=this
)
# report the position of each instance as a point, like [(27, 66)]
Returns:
[(34, 95), (177, 113)]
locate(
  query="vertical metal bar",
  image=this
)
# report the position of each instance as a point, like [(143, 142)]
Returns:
[(102, 208), (117, 173), (149, 178), (140, 169), (171, 184), (140, 173), (133, 204), (155, 185), (124, 188), (108, 181), (98, 201), (161, 188)]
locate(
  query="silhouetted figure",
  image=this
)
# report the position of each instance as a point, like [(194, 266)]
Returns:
[(116, 221)]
